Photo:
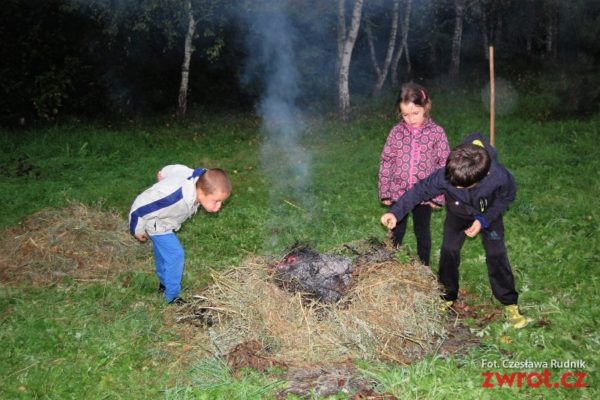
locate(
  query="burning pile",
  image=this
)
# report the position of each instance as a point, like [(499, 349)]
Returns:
[(321, 276), (321, 308), (78, 242)]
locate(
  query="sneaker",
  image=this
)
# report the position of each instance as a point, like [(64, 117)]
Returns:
[(178, 301), (161, 288), (514, 317), (446, 305)]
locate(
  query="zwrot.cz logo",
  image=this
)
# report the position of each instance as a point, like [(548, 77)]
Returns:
[(534, 379)]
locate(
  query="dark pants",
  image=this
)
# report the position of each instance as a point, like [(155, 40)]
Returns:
[(421, 223), (499, 270)]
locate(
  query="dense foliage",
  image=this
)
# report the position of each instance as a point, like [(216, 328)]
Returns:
[(91, 58)]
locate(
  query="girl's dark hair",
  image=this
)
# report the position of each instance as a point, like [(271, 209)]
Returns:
[(467, 164), (214, 180), (412, 92)]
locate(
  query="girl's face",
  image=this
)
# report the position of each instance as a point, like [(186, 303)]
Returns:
[(413, 115)]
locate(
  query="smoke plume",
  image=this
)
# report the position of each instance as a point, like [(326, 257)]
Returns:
[(286, 162)]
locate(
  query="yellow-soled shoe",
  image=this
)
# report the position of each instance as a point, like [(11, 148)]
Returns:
[(446, 305), (512, 315)]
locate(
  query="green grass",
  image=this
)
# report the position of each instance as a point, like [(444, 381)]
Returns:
[(117, 340)]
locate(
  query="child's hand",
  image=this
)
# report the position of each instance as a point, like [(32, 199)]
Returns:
[(386, 202), (142, 237), (389, 220), (433, 205), (159, 176), (474, 229)]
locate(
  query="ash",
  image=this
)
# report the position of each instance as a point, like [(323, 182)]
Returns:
[(323, 276)]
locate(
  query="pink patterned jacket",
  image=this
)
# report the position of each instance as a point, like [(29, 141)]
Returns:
[(410, 155)]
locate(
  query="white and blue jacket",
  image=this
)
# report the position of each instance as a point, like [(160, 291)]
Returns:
[(163, 207)]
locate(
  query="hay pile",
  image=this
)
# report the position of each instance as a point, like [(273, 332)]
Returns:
[(390, 312), (78, 242)]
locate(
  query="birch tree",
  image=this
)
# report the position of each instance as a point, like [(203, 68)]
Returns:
[(551, 27), (459, 7), (345, 44), (382, 72), (402, 46), (204, 13), (480, 15), (187, 56)]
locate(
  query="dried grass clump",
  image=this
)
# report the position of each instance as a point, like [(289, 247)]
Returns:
[(78, 242), (391, 312)]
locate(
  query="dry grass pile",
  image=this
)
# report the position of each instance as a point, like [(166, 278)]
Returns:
[(78, 242), (390, 312)]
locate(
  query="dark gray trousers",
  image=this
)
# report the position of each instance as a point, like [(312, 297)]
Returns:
[(499, 271)]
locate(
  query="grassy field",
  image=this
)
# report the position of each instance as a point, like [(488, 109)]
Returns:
[(110, 340)]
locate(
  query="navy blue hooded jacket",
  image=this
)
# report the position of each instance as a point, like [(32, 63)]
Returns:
[(484, 202)]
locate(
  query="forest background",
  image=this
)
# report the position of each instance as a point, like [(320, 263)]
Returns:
[(63, 59)]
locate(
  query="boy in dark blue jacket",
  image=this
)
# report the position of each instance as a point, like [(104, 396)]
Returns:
[(477, 190)]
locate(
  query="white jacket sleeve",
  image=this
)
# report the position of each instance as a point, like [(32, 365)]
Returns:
[(175, 170)]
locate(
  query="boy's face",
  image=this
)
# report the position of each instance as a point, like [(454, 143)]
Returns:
[(211, 202), (413, 115)]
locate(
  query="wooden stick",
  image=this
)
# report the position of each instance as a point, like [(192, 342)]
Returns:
[(293, 205), (492, 98)]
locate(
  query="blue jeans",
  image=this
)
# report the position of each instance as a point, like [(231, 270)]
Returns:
[(169, 258)]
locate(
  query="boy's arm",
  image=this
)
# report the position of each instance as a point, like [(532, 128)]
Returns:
[(147, 204), (137, 223), (174, 170), (504, 195), (425, 189)]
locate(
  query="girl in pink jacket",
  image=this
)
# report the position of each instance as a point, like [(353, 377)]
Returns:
[(414, 149)]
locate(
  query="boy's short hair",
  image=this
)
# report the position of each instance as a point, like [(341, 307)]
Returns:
[(214, 180), (467, 164)]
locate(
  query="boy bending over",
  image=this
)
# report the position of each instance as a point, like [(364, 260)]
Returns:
[(159, 211), (477, 191)]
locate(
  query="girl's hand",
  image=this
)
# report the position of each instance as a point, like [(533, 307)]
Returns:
[(389, 220), (159, 176), (142, 237), (386, 202), (474, 229)]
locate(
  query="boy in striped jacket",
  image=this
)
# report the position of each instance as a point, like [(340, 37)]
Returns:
[(159, 211)]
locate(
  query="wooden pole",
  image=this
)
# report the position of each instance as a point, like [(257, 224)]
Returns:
[(492, 98)]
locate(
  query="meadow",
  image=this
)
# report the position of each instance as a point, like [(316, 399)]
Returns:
[(111, 340)]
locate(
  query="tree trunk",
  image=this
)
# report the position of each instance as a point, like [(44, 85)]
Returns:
[(483, 20), (187, 56), (433, 41), (345, 47), (551, 29), (341, 34), (383, 72), (402, 47), (498, 31), (457, 38), (372, 52)]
